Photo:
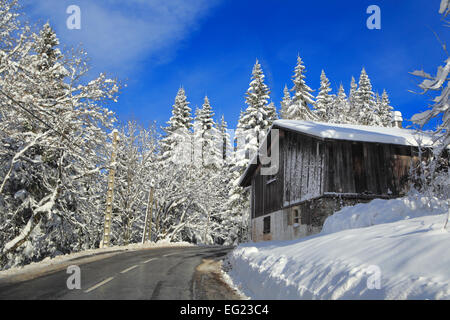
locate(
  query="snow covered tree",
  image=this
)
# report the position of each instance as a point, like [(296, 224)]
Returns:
[(341, 107), (385, 110), (365, 101), (259, 115), (285, 103), (189, 194), (176, 145), (134, 171), (207, 148), (353, 114), (53, 147), (225, 139), (324, 101), (299, 109), (440, 107), (436, 181), (272, 114), (238, 204)]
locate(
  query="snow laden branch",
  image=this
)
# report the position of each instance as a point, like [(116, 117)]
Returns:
[(45, 206), (53, 146), (434, 170), (18, 155)]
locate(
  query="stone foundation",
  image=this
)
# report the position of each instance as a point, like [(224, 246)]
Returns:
[(312, 215)]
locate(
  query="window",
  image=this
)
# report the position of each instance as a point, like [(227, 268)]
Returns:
[(266, 223), (296, 216)]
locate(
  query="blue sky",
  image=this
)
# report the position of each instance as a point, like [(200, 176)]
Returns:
[(210, 46)]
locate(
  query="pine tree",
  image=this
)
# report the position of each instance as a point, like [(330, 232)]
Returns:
[(299, 110), (206, 137), (285, 103), (181, 112), (353, 113), (341, 107), (259, 115), (46, 48), (271, 113), (225, 139), (365, 101), (385, 110), (177, 145), (324, 102), (238, 204)]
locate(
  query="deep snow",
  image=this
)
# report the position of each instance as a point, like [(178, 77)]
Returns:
[(402, 241)]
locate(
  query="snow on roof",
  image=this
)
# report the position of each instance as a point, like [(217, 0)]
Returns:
[(352, 132)]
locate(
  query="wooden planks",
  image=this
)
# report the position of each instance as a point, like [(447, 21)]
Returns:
[(309, 167), (303, 168)]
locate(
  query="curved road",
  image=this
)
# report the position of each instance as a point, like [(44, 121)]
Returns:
[(163, 273)]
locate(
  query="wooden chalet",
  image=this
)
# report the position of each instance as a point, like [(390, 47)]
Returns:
[(323, 167)]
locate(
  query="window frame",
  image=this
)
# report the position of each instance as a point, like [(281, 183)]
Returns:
[(267, 225)]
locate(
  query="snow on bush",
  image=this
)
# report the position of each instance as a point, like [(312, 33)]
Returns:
[(383, 211)]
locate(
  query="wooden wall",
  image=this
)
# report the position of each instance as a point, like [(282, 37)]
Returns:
[(311, 167), (267, 190), (303, 162), (366, 168)]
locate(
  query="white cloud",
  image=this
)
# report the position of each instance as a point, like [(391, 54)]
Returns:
[(119, 34)]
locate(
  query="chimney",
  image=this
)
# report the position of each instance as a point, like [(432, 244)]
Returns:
[(397, 119)]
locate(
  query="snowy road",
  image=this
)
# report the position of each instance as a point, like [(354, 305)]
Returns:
[(169, 273)]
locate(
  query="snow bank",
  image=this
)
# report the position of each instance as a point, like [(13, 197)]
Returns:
[(405, 259), (382, 211), (49, 262)]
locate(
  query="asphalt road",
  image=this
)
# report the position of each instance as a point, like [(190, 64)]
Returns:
[(163, 273)]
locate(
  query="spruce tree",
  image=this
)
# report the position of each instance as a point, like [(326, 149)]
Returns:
[(225, 139), (259, 115), (365, 101), (299, 109), (238, 204), (206, 137), (340, 112), (285, 103), (353, 113), (385, 110), (176, 144), (181, 112), (324, 101), (272, 114)]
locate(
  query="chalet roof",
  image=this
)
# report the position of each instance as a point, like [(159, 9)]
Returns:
[(350, 132), (353, 132)]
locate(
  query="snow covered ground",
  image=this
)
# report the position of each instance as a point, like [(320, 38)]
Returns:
[(383, 211), (48, 263), (386, 249)]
